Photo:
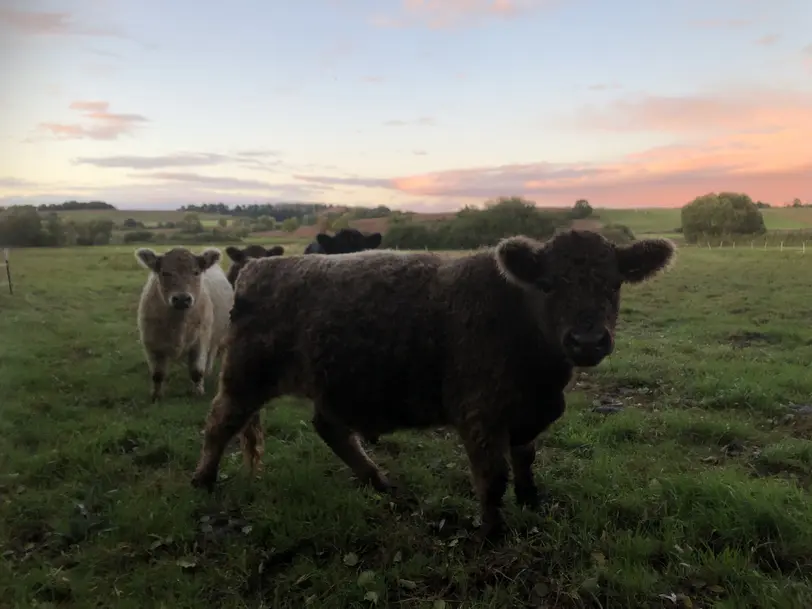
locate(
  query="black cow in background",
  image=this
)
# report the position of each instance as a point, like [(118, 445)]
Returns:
[(345, 241)]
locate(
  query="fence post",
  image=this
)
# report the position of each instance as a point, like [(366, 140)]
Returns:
[(751, 244), (782, 246), (8, 270), (803, 247), (765, 244), (709, 245), (734, 245)]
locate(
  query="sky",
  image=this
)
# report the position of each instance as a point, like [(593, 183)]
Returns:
[(425, 105)]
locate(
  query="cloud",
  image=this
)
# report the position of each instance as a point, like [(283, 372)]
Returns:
[(419, 152), (101, 125), (442, 14), (41, 23), (10, 182), (423, 121), (216, 182), (722, 23), (373, 79), (768, 39), (261, 159), (757, 143), (738, 110), (345, 181), (806, 54), (604, 86)]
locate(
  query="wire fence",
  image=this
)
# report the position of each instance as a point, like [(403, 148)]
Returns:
[(780, 246)]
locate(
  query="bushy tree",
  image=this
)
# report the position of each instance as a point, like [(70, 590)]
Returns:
[(581, 209), (290, 224), (725, 213), (191, 224), (21, 226), (473, 228)]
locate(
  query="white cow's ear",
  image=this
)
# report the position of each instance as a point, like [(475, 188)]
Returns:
[(148, 259)]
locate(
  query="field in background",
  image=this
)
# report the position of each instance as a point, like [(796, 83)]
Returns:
[(651, 221), (695, 494), (665, 221)]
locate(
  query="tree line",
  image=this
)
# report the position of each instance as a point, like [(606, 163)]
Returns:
[(471, 228), (75, 205), (24, 226)]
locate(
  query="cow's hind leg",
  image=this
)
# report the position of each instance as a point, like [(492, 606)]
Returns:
[(347, 447), (252, 442), (522, 458), (229, 414)]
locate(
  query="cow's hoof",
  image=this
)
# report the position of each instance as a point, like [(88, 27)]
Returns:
[(204, 481), (528, 496)]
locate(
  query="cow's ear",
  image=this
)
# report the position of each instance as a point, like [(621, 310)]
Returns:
[(148, 259), (235, 253), (325, 241), (208, 258), (373, 240), (521, 261), (645, 258)]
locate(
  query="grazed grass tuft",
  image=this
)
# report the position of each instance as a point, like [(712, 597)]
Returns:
[(679, 476)]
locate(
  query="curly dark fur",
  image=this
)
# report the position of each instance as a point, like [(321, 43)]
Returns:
[(239, 257), (382, 340), (345, 241)]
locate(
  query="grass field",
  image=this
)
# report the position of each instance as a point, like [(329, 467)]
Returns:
[(664, 221), (695, 494)]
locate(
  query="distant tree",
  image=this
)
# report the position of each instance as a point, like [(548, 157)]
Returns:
[(21, 226), (290, 224), (762, 205), (581, 209), (130, 223), (797, 203), (472, 227), (725, 213), (222, 222), (75, 205), (191, 224)]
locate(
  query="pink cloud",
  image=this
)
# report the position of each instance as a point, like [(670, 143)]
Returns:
[(754, 143), (441, 14), (740, 110), (100, 125), (768, 40), (42, 23)]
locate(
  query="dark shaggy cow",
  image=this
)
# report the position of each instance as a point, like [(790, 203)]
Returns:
[(345, 241), (485, 343), (240, 256)]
